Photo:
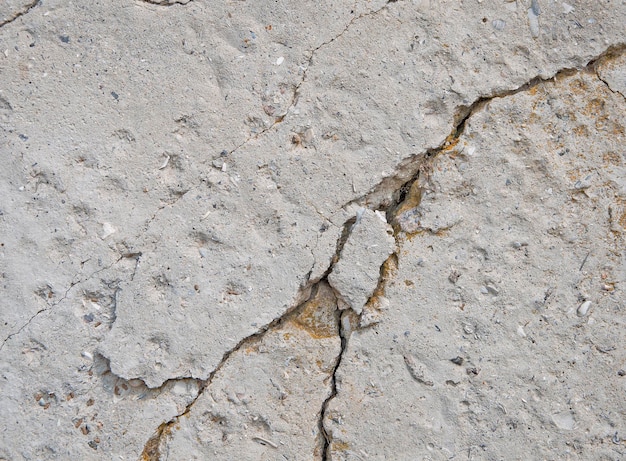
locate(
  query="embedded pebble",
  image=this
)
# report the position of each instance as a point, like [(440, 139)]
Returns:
[(533, 20), (498, 24), (583, 309), (417, 370)]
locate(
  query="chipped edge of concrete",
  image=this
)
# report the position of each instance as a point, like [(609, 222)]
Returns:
[(156, 443)]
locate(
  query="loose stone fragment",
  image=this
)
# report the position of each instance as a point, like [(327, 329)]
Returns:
[(356, 274), (583, 309)]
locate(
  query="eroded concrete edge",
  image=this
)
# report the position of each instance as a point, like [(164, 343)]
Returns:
[(156, 443)]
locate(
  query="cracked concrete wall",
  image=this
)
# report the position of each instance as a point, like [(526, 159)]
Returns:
[(193, 193)]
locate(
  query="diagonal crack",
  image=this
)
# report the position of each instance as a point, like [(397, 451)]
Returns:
[(407, 171), (401, 189), (305, 68), (153, 448), (404, 193), (20, 13)]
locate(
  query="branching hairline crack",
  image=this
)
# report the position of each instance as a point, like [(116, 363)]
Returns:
[(296, 89), (56, 303), (20, 13)]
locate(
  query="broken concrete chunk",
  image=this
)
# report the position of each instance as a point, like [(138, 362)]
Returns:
[(356, 274)]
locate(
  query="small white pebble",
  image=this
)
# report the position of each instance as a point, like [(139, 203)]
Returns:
[(107, 230), (583, 309), (381, 215), (280, 60), (498, 24), (86, 355)]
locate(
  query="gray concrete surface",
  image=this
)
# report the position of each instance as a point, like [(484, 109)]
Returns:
[(314, 230)]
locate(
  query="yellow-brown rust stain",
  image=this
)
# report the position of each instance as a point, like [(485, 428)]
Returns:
[(581, 130), (318, 315), (622, 217), (151, 451), (388, 271), (339, 446), (579, 86), (612, 158), (412, 199)]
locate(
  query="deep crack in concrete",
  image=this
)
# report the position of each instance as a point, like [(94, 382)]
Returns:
[(421, 163), (166, 2), (410, 168)]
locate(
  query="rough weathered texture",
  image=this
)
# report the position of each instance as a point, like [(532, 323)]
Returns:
[(370, 242), (482, 348), (265, 403), (176, 176)]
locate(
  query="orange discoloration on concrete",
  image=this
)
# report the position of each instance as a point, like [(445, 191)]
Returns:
[(318, 315)]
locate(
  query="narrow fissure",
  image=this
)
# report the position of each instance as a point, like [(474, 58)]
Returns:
[(327, 438), (166, 2), (59, 301), (153, 448), (20, 13), (296, 89), (612, 53)]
